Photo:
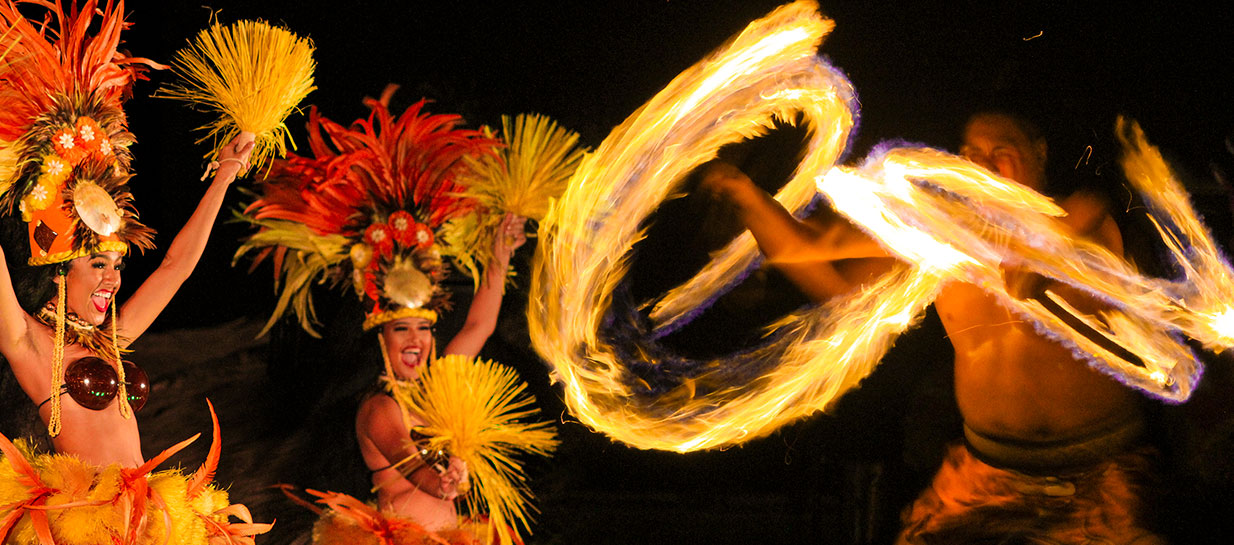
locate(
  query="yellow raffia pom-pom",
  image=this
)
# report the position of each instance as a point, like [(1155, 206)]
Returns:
[(479, 411), (522, 178), (253, 75), (533, 167)]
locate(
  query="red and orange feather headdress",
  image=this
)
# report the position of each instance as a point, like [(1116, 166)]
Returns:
[(64, 158), (368, 207)]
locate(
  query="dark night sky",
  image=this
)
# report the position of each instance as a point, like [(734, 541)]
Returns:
[(918, 71)]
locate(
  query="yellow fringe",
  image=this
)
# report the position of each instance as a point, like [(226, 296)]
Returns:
[(381, 318), (57, 359), (253, 75), (478, 411), (393, 382), (385, 359), (125, 410)]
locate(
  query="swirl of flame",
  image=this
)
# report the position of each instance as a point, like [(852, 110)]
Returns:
[(924, 206), (770, 70), (945, 217)]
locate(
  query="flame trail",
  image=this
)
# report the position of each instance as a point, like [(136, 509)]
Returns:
[(962, 222), (770, 71), (946, 218)]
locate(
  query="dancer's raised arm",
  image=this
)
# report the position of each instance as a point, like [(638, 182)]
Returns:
[(15, 324), (185, 250), (486, 304), (806, 251)]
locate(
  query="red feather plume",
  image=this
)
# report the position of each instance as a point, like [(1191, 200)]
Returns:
[(371, 169), (49, 60)]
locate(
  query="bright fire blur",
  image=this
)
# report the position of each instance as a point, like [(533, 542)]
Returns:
[(945, 217)]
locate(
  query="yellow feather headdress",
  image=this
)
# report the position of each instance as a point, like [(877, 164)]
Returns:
[(63, 135)]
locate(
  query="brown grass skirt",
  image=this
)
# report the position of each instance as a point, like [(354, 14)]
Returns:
[(970, 501)]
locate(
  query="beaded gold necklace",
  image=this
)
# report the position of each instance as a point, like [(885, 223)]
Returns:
[(69, 329)]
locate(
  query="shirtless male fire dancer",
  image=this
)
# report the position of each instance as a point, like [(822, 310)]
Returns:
[(1051, 446)]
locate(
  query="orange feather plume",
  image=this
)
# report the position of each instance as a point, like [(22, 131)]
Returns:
[(40, 67), (380, 172)]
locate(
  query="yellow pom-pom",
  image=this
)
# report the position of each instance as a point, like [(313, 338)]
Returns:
[(481, 412), (253, 75), (55, 169), (532, 169), (521, 178), (44, 192)]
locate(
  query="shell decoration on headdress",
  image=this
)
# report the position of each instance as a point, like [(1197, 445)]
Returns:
[(64, 157), (366, 211)]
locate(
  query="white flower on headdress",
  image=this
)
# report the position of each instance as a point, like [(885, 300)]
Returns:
[(39, 193), (86, 132), (55, 167), (105, 146), (65, 140)]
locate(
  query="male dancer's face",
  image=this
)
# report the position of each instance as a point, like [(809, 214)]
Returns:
[(999, 144)]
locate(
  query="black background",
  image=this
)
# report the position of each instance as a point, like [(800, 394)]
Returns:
[(918, 70)]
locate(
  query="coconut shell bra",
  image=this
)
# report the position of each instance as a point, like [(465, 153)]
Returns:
[(93, 383)]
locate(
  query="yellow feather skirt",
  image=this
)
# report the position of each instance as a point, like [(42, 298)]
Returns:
[(362, 524), (85, 504)]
